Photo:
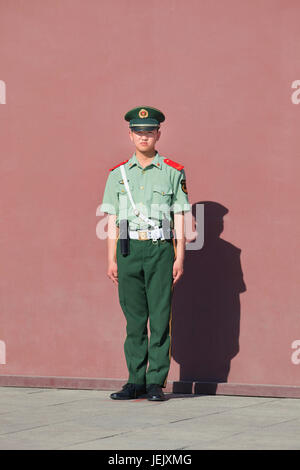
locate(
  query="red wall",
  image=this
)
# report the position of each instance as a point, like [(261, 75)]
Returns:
[(222, 72)]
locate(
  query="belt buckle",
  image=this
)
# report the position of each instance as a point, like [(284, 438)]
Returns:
[(143, 235)]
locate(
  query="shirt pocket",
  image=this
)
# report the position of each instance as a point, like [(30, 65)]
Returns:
[(162, 194), (122, 190), (125, 210)]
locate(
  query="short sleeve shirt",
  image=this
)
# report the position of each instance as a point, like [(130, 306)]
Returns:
[(158, 191)]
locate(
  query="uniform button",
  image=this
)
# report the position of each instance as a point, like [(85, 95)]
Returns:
[(163, 192), (142, 187)]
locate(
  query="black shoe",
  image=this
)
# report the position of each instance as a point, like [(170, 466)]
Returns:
[(129, 391), (155, 393)]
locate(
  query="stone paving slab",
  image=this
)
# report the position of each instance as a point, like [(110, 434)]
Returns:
[(32, 418)]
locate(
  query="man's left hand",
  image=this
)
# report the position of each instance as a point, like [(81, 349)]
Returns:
[(177, 270)]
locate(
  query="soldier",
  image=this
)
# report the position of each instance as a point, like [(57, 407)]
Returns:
[(146, 197)]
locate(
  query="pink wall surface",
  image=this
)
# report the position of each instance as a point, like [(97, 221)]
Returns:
[(222, 72)]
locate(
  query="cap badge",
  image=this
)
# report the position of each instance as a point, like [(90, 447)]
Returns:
[(143, 113)]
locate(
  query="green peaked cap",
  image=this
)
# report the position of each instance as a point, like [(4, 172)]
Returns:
[(144, 118)]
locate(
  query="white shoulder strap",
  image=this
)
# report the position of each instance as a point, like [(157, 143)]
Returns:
[(127, 187)]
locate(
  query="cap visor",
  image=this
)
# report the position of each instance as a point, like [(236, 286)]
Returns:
[(143, 129)]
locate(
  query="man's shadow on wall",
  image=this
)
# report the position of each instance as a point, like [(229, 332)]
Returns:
[(206, 304)]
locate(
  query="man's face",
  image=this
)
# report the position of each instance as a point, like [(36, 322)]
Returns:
[(144, 141)]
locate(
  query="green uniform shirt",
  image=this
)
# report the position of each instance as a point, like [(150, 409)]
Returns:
[(158, 190)]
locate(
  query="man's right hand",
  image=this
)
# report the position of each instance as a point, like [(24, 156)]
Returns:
[(112, 271)]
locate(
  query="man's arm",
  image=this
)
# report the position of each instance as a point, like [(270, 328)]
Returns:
[(180, 235), (180, 204), (113, 234), (110, 206), (180, 246)]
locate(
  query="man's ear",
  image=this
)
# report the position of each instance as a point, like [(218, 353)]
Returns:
[(130, 135), (158, 135)]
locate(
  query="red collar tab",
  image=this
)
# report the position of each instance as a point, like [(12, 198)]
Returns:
[(119, 164), (175, 165)]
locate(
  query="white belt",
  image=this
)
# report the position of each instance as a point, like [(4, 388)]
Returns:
[(147, 234)]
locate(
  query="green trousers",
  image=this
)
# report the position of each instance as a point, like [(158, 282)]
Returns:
[(145, 289)]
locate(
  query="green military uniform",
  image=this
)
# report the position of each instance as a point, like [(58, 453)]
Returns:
[(145, 276), (154, 188)]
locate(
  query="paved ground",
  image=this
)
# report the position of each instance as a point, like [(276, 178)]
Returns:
[(32, 418)]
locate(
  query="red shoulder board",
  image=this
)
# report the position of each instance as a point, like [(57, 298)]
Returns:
[(173, 164), (119, 164)]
